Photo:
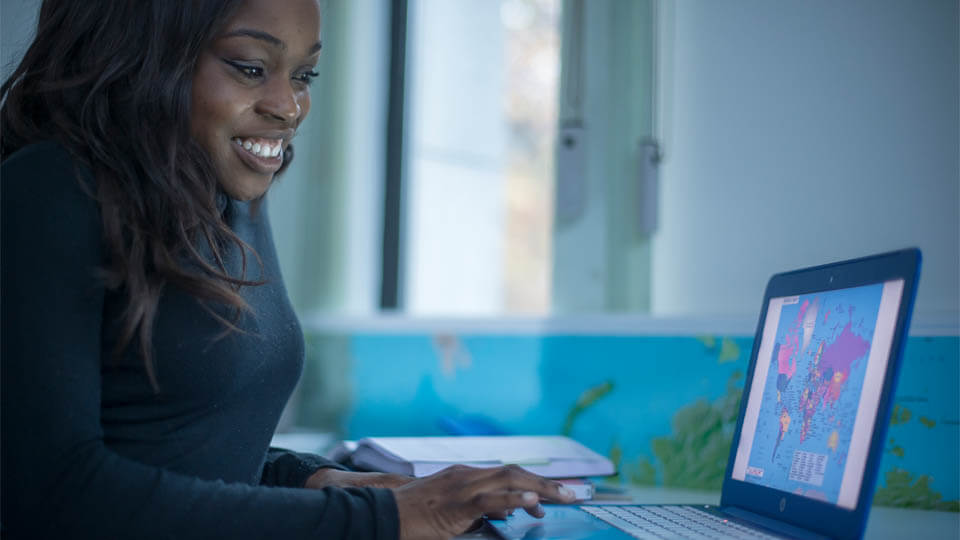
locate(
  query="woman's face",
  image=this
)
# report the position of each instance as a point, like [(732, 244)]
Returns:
[(251, 90)]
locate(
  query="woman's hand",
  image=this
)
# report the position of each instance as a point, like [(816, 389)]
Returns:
[(447, 503), (337, 478)]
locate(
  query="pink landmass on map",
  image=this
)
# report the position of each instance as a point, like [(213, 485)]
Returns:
[(787, 356), (839, 356), (787, 353)]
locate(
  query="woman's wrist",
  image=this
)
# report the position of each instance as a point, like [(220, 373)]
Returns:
[(321, 478), (329, 477)]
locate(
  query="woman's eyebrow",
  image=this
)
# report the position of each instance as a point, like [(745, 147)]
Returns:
[(257, 34), (267, 37)]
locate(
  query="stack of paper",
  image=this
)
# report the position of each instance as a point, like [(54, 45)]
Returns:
[(549, 456)]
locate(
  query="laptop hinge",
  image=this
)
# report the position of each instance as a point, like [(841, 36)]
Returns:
[(773, 524)]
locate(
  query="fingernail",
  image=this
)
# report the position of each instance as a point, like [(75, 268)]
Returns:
[(566, 492), (530, 497)]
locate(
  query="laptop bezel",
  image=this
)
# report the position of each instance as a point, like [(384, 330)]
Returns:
[(808, 513)]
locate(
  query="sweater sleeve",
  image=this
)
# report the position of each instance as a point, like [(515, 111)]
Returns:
[(60, 479), (291, 469)]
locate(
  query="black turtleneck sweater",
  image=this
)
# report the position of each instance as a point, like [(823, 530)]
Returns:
[(89, 448)]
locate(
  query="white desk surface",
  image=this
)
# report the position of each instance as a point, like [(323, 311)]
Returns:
[(883, 524)]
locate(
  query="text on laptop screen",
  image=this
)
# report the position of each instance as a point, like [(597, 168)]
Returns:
[(815, 391)]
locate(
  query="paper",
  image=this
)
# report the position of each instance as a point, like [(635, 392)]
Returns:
[(552, 456), (514, 449)]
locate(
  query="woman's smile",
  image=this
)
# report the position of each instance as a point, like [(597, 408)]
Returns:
[(264, 158), (266, 148), (251, 90)]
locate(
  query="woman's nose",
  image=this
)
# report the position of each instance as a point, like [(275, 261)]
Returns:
[(279, 100)]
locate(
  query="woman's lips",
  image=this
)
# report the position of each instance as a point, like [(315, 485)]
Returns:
[(260, 164)]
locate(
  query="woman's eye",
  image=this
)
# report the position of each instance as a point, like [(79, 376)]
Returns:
[(248, 71), (306, 77)]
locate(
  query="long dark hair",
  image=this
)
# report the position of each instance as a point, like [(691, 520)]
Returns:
[(111, 81)]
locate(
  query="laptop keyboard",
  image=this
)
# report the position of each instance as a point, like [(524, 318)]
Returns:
[(684, 522)]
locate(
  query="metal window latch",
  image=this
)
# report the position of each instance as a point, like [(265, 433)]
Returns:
[(648, 185), (571, 190)]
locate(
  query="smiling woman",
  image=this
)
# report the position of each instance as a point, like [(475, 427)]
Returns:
[(145, 362), (251, 90)]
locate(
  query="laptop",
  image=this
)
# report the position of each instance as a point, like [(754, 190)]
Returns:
[(813, 418)]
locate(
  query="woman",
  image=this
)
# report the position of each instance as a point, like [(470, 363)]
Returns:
[(148, 343)]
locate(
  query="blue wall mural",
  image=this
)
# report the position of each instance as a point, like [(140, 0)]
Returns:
[(662, 407)]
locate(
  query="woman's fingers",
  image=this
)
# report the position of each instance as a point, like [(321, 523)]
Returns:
[(446, 503), (498, 504), (501, 515), (515, 478), (490, 502)]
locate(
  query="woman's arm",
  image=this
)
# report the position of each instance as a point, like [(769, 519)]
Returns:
[(59, 478)]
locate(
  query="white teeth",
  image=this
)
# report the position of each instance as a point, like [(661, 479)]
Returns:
[(263, 150)]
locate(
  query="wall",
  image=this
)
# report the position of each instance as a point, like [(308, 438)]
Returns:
[(18, 22), (326, 210), (659, 397), (800, 133)]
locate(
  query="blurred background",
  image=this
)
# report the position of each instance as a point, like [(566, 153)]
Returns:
[(499, 207), (791, 133)]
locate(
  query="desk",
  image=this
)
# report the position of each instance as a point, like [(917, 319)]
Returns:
[(883, 524)]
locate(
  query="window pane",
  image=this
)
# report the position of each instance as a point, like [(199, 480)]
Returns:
[(481, 116)]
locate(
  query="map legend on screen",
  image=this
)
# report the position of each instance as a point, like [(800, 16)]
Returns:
[(808, 467)]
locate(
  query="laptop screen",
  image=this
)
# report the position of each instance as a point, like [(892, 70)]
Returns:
[(815, 392)]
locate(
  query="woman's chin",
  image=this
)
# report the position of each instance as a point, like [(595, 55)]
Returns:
[(247, 189)]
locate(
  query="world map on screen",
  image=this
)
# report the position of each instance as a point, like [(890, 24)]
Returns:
[(812, 389)]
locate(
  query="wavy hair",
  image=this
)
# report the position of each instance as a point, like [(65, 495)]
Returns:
[(111, 80)]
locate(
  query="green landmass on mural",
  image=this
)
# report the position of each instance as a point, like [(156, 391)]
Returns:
[(708, 341), (695, 455), (904, 491), (587, 398), (727, 351), (901, 415), (928, 422), (616, 457), (642, 473)]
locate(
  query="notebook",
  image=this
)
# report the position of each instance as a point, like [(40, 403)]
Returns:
[(816, 405)]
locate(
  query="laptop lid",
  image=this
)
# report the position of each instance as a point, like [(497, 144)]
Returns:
[(819, 391)]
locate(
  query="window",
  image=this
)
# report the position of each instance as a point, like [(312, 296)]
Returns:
[(481, 109)]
